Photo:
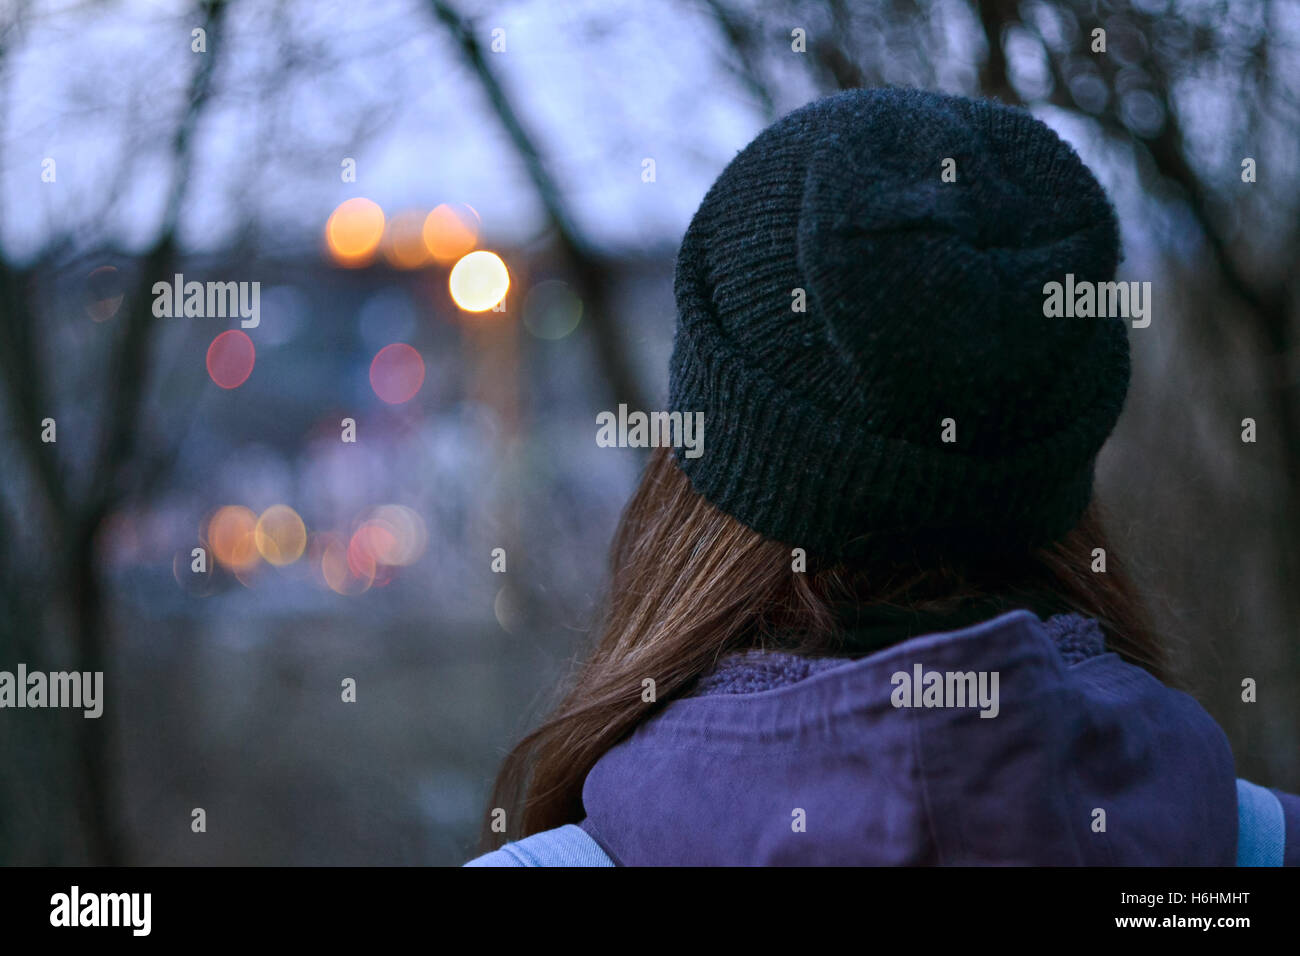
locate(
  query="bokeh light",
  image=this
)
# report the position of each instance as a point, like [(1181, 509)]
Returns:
[(231, 357), (280, 535), (245, 575), (404, 246), (366, 549), (200, 583), (330, 554), (103, 293), (396, 536), (479, 281), (231, 537), (506, 608), (353, 231), (384, 540), (396, 373), (552, 310), (450, 231)]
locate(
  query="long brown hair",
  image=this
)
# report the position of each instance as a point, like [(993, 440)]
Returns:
[(690, 583)]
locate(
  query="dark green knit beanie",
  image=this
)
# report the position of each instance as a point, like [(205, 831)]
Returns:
[(842, 310)]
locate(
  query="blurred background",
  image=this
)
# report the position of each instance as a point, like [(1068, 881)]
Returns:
[(381, 170)]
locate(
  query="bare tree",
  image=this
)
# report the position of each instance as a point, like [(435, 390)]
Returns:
[(73, 511)]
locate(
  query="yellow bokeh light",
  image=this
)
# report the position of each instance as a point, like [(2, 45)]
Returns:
[(404, 245), (231, 537), (354, 230), (451, 231), (280, 535), (479, 281)]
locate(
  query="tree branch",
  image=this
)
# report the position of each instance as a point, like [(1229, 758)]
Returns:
[(587, 269)]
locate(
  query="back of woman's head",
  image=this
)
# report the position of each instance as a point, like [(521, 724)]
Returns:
[(896, 430)]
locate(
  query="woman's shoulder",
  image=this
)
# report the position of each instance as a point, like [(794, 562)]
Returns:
[(568, 845)]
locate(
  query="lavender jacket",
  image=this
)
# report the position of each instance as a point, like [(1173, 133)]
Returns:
[(1015, 741)]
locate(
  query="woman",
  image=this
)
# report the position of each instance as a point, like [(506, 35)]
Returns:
[(876, 621)]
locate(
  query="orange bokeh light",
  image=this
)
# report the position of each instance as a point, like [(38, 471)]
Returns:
[(231, 535), (451, 231), (354, 231), (404, 246)]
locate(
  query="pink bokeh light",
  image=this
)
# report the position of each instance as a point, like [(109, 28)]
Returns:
[(396, 373), (230, 358)]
